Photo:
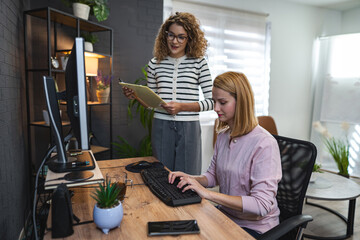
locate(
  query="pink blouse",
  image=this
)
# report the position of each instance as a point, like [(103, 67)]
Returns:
[(249, 166)]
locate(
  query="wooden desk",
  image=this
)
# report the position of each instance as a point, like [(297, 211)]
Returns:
[(141, 206), (333, 187)]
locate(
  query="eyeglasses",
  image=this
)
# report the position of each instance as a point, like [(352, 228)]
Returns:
[(179, 38)]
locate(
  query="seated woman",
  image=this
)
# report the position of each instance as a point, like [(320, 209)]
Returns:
[(246, 163)]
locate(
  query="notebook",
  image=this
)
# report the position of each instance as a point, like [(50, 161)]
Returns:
[(145, 94)]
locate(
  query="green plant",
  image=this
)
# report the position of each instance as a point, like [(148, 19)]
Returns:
[(123, 148), (106, 195), (89, 37), (317, 168), (98, 8), (338, 148)]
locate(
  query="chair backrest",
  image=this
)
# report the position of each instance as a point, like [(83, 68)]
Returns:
[(268, 123), (297, 161)]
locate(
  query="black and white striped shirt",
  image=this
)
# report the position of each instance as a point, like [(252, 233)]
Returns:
[(178, 79)]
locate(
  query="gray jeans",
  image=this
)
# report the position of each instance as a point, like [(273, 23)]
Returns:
[(177, 144)]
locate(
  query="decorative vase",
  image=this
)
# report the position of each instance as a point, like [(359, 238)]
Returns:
[(81, 10), (103, 95), (47, 117), (108, 218), (88, 46), (64, 60), (314, 176)]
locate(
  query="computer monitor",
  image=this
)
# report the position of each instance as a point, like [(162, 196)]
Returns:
[(81, 159), (76, 94)]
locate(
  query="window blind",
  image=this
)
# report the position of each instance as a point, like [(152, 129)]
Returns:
[(238, 41)]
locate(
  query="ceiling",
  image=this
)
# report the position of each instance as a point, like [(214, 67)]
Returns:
[(341, 5)]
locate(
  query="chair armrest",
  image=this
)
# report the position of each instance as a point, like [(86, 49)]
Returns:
[(286, 226)]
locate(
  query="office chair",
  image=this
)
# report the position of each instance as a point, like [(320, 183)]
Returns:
[(268, 123), (297, 161)]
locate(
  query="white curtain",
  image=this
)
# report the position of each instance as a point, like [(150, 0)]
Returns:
[(337, 95)]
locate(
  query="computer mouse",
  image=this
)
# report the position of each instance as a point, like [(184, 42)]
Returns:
[(141, 165)]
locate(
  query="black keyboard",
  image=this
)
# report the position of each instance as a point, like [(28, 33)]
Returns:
[(157, 180)]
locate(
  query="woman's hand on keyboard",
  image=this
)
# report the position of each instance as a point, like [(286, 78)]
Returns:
[(190, 183), (173, 175)]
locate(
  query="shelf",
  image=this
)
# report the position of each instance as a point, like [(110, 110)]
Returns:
[(67, 19), (93, 103), (98, 149), (44, 29), (43, 124), (89, 103)]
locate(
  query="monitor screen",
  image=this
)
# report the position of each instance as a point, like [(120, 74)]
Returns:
[(76, 94), (80, 159)]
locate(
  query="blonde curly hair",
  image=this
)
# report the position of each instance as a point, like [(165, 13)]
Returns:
[(196, 45)]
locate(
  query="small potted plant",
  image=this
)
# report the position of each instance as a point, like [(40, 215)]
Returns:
[(108, 210), (316, 170), (103, 87), (337, 147), (82, 8), (89, 39)]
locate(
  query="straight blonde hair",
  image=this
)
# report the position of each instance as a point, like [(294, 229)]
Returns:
[(239, 87)]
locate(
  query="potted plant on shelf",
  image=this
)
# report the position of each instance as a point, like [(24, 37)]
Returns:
[(103, 87), (108, 211), (89, 39), (82, 8)]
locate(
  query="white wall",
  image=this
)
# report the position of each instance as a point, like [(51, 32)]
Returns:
[(294, 29), (351, 21)]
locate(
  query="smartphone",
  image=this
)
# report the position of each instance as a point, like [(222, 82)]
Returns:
[(173, 227)]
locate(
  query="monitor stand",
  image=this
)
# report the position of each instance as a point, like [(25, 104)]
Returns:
[(77, 161)]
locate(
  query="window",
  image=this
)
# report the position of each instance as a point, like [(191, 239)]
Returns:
[(238, 41), (337, 96)]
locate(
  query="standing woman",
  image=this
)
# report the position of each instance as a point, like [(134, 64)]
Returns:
[(175, 74), (246, 163)]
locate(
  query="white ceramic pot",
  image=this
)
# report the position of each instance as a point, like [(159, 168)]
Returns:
[(108, 218), (47, 117), (81, 10), (103, 95), (88, 46), (314, 176), (64, 61)]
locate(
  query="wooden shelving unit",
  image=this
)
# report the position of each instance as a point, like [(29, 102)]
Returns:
[(48, 33)]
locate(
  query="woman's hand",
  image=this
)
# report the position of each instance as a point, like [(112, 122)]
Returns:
[(172, 107), (128, 92), (173, 175), (191, 183)]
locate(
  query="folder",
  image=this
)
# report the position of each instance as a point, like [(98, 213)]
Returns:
[(145, 94)]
